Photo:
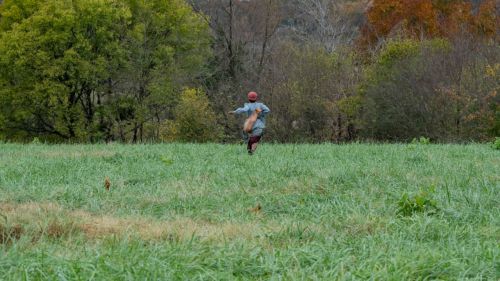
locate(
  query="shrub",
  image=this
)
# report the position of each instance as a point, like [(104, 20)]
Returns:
[(194, 120), (430, 88), (419, 203), (421, 140), (496, 143)]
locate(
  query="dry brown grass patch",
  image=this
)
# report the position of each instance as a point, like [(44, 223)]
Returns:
[(9, 234), (65, 222)]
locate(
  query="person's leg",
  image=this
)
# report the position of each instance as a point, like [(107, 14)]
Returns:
[(249, 145), (252, 144)]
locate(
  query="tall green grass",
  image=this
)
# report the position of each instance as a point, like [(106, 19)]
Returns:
[(328, 212)]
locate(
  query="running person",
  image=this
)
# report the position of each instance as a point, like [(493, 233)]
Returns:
[(256, 120)]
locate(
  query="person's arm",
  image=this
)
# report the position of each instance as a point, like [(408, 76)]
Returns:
[(240, 110), (265, 110)]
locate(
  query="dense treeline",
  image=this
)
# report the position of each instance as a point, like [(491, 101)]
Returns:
[(96, 70), (169, 70)]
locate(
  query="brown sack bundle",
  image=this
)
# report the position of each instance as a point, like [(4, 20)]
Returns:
[(248, 125)]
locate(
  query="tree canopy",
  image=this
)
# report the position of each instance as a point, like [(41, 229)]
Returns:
[(88, 70)]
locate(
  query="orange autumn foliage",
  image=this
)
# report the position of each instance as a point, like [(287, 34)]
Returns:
[(421, 19), (487, 21)]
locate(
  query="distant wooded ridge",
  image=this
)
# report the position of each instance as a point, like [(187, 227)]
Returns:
[(331, 71)]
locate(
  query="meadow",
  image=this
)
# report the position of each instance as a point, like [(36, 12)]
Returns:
[(211, 212)]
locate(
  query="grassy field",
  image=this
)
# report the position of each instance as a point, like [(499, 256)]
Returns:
[(211, 212)]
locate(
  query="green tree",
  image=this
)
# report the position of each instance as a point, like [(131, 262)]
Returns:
[(168, 45), (12, 12), (52, 63), (195, 121), (88, 70)]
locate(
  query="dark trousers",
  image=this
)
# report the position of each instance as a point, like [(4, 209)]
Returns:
[(252, 140)]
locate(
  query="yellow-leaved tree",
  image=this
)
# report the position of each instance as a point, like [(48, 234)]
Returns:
[(194, 120)]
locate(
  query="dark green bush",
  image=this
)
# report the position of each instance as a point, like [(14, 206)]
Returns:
[(496, 143)]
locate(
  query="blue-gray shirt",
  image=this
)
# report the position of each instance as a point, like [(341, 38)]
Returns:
[(250, 108)]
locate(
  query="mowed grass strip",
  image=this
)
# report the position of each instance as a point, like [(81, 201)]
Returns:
[(291, 212)]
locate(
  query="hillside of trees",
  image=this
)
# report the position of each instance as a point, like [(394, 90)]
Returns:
[(170, 70)]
